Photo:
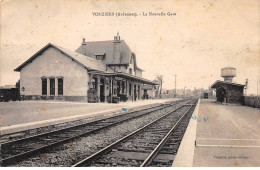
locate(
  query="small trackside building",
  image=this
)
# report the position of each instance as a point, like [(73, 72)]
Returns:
[(228, 92), (98, 71)]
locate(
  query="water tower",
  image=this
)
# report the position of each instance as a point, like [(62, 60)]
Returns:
[(228, 73)]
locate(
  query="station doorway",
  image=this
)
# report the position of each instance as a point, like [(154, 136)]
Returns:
[(102, 90), (135, 93)]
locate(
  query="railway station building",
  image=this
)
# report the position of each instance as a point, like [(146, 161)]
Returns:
[(99, 71)]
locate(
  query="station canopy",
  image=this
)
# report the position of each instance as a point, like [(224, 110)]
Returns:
[(121, 76)]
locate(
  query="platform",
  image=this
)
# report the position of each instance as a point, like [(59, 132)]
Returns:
[(24, 115), (226, 135)]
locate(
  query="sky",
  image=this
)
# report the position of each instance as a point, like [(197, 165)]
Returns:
[(203, 37)]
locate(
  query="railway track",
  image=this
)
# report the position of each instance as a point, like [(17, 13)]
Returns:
[(17, 150), (154, 144)]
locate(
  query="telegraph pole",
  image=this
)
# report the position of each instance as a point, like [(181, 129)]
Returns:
[(175, 85)]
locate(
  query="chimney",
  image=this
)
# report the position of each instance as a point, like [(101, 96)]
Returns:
[(116, 49), (84, 44)]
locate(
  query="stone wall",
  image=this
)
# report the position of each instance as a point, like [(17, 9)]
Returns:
[(234, 94)]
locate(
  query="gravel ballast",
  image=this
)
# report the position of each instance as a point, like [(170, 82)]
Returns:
[(74, 151)]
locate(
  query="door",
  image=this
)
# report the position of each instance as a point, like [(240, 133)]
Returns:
[(102, 90)]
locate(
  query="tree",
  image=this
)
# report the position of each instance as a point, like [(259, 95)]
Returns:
[(159, 78), (17, 85), (18, 94)]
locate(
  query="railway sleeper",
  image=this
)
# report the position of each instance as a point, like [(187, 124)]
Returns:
[(174, 152), (164, 158), (116, 163), (133, 150), (139, 156)]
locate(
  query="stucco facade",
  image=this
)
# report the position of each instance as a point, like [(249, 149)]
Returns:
[(53, 63), (99, 71)]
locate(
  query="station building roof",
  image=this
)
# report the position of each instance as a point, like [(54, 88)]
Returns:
[(93, 48), (85, 61), (106, 47), (94, 66), (219, 83)]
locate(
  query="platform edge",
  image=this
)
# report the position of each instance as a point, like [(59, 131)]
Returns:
[(185, 154)]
